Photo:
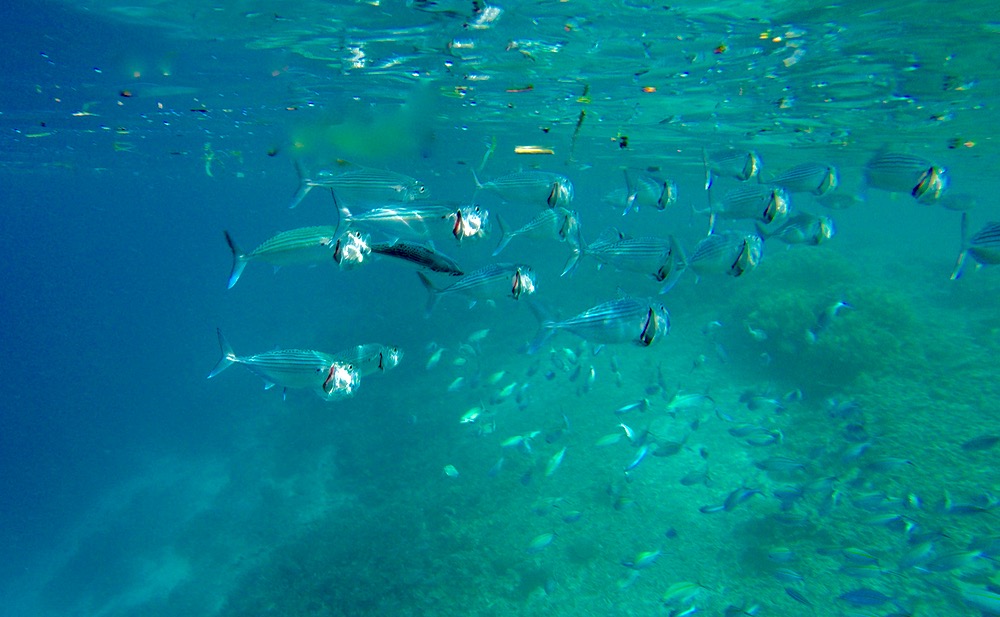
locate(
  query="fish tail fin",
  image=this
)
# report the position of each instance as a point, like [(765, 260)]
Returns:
[(228, 357), (304, 187), (475, 177), (433, 294), (762, 230), (239, 260), (574, 260), (679, 265), (546, 329), (505, 236), (631, 192), (708, 171), (960, 263), (711, 224)]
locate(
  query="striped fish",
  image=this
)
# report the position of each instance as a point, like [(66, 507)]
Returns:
[(803, 228), (643, 189), (815, 178), (423, 256), (295, 369), (362, 186), (297, 246), (906, 173), (729, 252), (761, 202), (740, 165), (983, 246), (637, 320), (654, 257), (399, 221), (370, 358), (555, 222), (534, 187), (487, 283)]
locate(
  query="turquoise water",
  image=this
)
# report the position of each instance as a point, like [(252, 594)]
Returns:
[(853, 467)]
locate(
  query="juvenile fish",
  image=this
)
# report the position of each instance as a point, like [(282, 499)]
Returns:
[(371, 358)]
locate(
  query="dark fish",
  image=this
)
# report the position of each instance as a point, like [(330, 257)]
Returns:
[(643, 189), (737, 164), (487, 283), (558, 223), (803, 228), (984, 246), (905, 173), (796, 595), (640, 321), (296, 246), (423, 256), (814, 178), (863, 596), (983, 442), (362, 186)]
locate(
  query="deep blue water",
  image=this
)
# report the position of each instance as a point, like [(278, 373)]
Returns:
[(133, 485)]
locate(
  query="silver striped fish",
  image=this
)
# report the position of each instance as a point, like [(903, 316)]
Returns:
[(362, 186), (296, 246), (730, 252), (399, 221), (555, 222), (295, 369), (487, 283), (740, 165), (533, 187), (762, 202), (658, 258), (802, 228), (906, 173), (423, 256), (814, 178), (370, 358), (642, 321), (983, 246), (643, 189)]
